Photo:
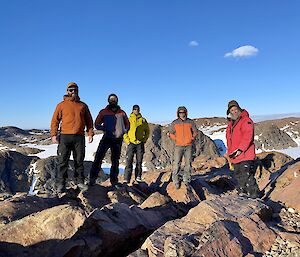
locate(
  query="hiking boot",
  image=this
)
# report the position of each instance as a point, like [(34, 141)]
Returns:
[(126, 182), (82, 187), (116, 185), (138, 179), (177, 185)]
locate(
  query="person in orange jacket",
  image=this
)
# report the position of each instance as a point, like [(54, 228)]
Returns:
[(183, 131), (70, 118), (241, 149)]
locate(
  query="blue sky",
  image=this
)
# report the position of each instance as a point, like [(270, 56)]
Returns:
[(143, 51)]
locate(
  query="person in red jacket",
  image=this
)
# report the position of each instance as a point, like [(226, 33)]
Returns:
[(183, 131), (241, 148)]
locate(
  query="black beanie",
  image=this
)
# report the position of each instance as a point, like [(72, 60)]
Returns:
[(114, 96), (135, 107)]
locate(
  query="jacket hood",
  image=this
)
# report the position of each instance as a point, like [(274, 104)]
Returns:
[(71, 98), (108, 107), (133, 115), (244, 113), (182, 108)]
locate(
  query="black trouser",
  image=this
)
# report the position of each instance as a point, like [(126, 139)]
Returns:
[(115, 147), (132, 149), (68, 144), (244, 174)]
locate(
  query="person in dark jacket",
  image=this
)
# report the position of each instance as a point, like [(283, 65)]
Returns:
[(241, 149), (183, 131), (113, 121), (136, 138), (69, 119)]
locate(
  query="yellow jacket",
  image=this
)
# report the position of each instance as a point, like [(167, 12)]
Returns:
[(138, 131)]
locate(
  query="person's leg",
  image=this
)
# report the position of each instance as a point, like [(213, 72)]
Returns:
[(131, 148), (78, 154), (64, 152), (188, 164), (240, 177), (178, 153), (115, 156), (140, 150), (99, 156), (251, 186)]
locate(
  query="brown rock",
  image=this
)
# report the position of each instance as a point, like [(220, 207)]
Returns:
[(21, 205), (226, 225), (183, 194), (287, 187), (154, 200), (59, 222)]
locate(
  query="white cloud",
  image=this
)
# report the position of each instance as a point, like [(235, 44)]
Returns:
[(243, 51), (193, 43)]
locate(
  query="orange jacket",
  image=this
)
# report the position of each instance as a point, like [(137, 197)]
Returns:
[(183, 132), (73, 116)]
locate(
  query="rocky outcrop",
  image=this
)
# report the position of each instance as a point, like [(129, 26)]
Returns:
[(56, 223), (14, 172), (287, 187), (215, 228), (21, 205), (269, 165), (269, 137), (159, 148), (45, 172)]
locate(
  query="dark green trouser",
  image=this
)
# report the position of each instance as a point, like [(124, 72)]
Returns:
[(68, 144), (132, 149), (244, 174), (179, 152)]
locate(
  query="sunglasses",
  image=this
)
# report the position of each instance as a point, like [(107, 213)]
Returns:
[(72, 90), (136, 109), (182, 112)]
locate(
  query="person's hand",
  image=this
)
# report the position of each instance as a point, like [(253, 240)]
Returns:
[(90, 139), (168, 134), (235, 153), (54, 140)]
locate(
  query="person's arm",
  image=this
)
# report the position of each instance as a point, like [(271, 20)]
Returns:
[(195, 131), (126, 122), (248, 135), (147, 131), (89, 124), (99, 121), (56, 119), (172, 132)]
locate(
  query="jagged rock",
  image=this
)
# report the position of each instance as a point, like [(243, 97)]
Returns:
[(221, 226), (154, 200), (268, 137), (59, 222), (14, 172), (159, 148), (46, 174), (269, 165), (21, 205), (184, 194), (287, 187), (204, 164), (117, 228)]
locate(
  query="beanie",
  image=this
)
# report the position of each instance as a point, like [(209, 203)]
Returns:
[(231, 104), (111, 96), (72, 84)]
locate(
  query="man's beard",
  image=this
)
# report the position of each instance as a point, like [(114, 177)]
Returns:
[(235, 116), (113, 106)]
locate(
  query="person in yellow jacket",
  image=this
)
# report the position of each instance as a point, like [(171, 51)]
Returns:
[(136, 137)]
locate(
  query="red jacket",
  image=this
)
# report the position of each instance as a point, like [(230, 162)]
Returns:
[(240, 135)]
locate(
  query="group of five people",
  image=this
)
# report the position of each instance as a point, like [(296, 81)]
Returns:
[(72, 116)]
